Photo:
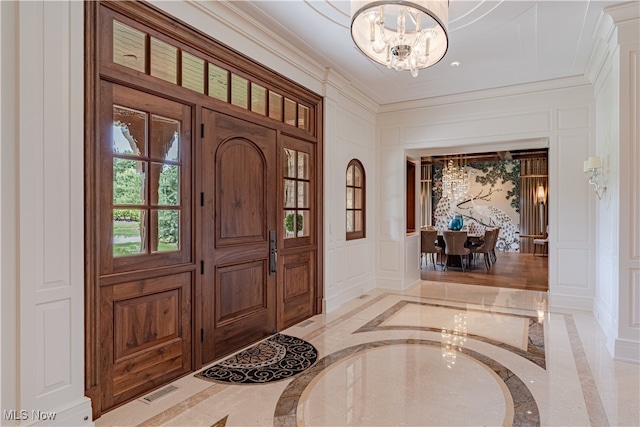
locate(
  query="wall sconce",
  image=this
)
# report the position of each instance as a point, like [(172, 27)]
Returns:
[(593, 172), (541, 195)]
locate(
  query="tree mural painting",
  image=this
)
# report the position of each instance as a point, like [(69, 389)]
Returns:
[(483, 207)]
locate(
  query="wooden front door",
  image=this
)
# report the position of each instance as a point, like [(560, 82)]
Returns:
[(238, 222)]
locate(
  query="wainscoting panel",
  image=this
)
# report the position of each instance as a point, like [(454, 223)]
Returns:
[(572, 271), (53, 333)]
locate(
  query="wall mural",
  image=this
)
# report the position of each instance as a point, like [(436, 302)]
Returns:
[(493, 200)]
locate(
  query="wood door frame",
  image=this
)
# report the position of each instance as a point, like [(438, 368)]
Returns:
[(95, 71)]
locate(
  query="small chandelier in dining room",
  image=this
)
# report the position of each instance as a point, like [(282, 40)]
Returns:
[(455, 181), (403, 35)]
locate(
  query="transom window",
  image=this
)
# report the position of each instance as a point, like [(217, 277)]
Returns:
[(355, 200), (141, 52)]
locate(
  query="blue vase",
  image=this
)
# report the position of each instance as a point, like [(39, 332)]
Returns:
[(456, 223)]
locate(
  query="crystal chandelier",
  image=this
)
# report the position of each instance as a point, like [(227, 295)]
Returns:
[(403, 35), (455, 181)]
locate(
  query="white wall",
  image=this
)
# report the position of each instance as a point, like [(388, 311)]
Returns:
[(349, 134), (617, 88), (533, 116), (42, 222)]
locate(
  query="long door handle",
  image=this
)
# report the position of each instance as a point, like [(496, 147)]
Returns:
[(273, 252)]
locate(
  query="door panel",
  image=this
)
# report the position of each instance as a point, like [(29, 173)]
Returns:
[(146, 335), (297, 279), (239, 211)]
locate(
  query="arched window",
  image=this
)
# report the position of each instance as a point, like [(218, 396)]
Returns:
[(356, 206)]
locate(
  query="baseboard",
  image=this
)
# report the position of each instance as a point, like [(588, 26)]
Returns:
[(627, 351), (77, 413)]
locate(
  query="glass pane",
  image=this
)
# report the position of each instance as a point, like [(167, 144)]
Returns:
[(289, 112), (164, 61), (350, 221), (129, 131), (165, 138), (357, 198), (303, 223), (349, 198), (275, 106), (218, 83), (192, 72), (289, 193), (350, 175), (289, 224), (289, 163), (258, 99), (129, 180), (128, 46), (165, 184), (239, 91), (303, 165), (303, 194), (128, 231), (168, 231), (303, 117), (357, 177), (357, 220)]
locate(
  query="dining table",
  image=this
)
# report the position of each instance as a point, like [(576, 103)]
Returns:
[(473, 239)]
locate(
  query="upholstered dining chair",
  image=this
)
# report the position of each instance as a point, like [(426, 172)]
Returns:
[(428, 244), (454, 244), (487, 246)]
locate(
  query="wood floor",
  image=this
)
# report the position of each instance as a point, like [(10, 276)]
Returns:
[(512, 270)]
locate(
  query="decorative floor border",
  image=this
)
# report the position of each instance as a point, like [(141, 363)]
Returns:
[(525, 408), (535, 346)]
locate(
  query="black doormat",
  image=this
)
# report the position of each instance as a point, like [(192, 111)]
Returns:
[(277, 358)]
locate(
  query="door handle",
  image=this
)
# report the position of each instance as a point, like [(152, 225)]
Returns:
[(273, 252)]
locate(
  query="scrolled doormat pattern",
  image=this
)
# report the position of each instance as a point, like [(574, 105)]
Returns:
[(277, 358)]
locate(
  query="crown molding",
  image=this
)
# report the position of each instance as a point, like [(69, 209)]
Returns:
[(487, 94), (236, 16)]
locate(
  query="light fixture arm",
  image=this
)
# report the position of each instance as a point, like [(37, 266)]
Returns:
[(593, 172)]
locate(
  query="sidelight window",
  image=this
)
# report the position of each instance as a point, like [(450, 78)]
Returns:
[(297, 219), (146, 182)]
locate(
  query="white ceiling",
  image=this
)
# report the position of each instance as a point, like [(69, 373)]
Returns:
[(498, 43)]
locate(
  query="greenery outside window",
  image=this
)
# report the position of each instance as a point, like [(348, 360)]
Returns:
[(355, 219)]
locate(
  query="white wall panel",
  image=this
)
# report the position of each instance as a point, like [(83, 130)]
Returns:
[(49, 39), (634, 301), (573, 118), (389, 136), (56, 168), (573, 191), (573, 272), (357, 256), (53, 337), (389, 255), (483, 126)]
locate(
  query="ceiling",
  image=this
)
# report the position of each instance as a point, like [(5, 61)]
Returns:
[(497, 43)]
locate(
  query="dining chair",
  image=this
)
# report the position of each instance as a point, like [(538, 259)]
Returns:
[(454, 244), (428, 244), (485, 248), (542, 242), (492, 254)]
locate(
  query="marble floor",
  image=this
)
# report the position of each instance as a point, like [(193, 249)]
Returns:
[(438, 354)]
